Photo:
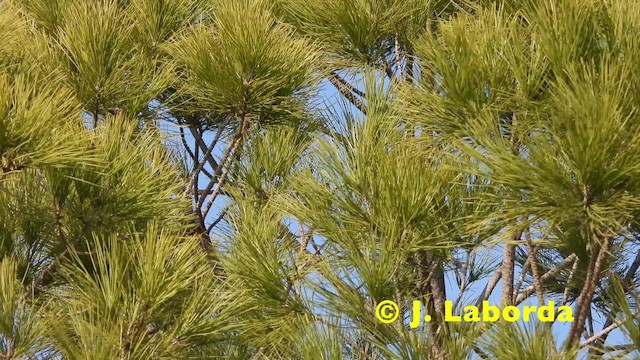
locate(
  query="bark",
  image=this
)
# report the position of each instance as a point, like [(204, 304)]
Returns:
[(432, 283), (347, 85), (551, 274), (209, 250), (508, 270), (533, 264), (598, 258), (347, 93), (409, 77)]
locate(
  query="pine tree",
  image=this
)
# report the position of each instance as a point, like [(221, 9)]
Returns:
[(251, 179)]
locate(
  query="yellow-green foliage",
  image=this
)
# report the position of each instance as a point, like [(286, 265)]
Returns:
[(461, 127)]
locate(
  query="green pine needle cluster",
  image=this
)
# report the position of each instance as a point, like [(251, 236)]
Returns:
[(249, 179)]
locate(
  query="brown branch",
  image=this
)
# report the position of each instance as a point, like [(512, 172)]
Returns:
[(237, 145), (488, 289), (463, 280), (604, 332), (521, 277), (200, 143), (534, 267), (201, 229), (508, 269), (631, 273), (389, 71), (208, 249), (438, 289), (46, 272), (194, 157), (183, 138), (599, 254), (565, 294), (549, 275), (220, 168), (398, 57), (208, 150), (348, 94), (201, 192), (409, 70), (305, 239), (10, 347), (348, 85), (206, 157), (216, 191), (96, 112), (509, 253), (432, 282), (217, 220)]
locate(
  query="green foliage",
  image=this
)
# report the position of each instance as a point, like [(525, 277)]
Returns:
[(361, 32), (155, 291), (19, 324), (231, 68), (468, 128), (34, 126), (518, 341)]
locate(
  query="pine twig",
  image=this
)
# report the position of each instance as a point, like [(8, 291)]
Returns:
[(346, 92), (551, 274)]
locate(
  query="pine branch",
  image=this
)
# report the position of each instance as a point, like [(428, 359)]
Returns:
[(226, 166), (549, 275), (488, 289), (604, 332), (44, 274), (221, 216), (599, 254), (346, 92), (534, 267), (348, 85), (207, 150), (508, 270), (521, 277)]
